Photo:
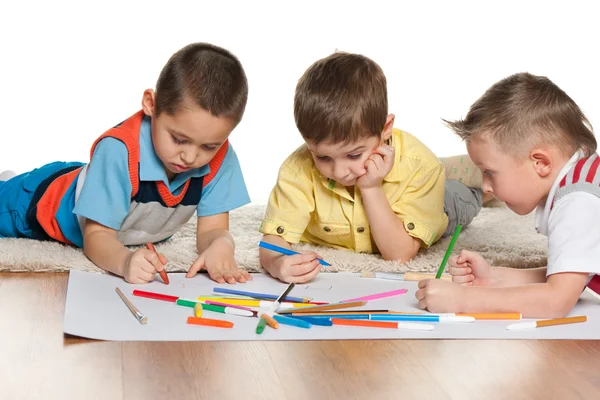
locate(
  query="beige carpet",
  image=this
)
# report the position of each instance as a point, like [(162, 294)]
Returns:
[(501, 236)]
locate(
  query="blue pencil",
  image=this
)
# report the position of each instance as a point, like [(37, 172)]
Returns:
[(291, 321), (261, 295), (285, 251), (315, 321)]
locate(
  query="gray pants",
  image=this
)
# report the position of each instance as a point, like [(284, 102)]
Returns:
[(461, 205)]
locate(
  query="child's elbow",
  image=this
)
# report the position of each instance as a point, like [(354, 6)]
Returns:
[(399, 256)]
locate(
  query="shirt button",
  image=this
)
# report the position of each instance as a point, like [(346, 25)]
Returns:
[(327, 229), (410, 226), (360, 230), (280, 230)]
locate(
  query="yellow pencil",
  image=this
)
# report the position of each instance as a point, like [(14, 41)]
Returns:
[(255, 303)]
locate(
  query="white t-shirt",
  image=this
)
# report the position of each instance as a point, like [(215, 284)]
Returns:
[(573, 228)]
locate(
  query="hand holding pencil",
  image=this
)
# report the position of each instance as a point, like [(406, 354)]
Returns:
[(142, 265)]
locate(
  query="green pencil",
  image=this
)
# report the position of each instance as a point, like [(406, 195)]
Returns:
[(261, 325), (449, 251)]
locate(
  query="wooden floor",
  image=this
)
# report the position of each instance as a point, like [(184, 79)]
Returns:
[(38, 362)]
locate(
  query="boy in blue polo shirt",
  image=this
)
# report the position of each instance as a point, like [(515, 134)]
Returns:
[(148, 176)]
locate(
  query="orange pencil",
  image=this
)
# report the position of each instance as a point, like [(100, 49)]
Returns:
[(209, 322), (270, 320), (161, 258), (546, 322), (362, 322), (326, 307)]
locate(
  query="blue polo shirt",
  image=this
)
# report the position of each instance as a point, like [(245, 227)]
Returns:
[(106, 193)]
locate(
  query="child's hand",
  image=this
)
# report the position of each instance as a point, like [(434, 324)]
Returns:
[(220, 264), (142, 265), (439, 296), (378, 165), (297, 268), (471, 269)]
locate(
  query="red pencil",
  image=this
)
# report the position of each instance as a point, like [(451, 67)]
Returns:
[(156, 296), (163, 273)]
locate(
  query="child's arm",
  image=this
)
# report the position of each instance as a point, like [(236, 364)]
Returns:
[(469, 268), (392, 240), (216, 250), (296, 268), (101, 246), (552, 299), (387, 229)]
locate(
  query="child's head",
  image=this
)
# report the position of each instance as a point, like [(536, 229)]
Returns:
[(200, 97), (340, 108), (520, 133)]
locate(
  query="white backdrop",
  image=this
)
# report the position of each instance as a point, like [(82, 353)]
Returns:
[(69, 71)]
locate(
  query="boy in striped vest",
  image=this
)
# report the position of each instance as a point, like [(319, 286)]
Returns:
[(148, 176), (537, 151)]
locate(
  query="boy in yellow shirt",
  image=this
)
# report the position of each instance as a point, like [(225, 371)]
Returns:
[(357, 183)]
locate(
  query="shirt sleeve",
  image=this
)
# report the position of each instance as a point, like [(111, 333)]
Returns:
[(290, 204), (574, 234), (421, 205), (227, 190), (105, 196)]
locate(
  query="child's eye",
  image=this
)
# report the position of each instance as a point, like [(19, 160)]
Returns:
[(209, 148), (177, 140), (323, 158), (488, 173), (354, 156)]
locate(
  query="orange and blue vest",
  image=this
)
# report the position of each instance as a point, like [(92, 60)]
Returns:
[(155, 213)]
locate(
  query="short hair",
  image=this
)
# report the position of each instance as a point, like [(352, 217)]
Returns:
[(208, 76), (340, 99), (525, 110)]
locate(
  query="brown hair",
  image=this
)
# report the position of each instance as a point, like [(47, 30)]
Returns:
[(525, 110), (207, 75), (340, 99)]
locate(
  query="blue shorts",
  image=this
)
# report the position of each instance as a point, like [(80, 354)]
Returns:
[(17, 194)]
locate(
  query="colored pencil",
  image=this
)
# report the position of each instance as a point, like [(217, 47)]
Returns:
[(282, 319), (156, 296), (546, 322), (142, 319), (431, 318), (377, 296), (265, 296), (267, 316), (377, 324), (216, 303), (287, 252), (270, 320), (163, 273), (344, 312), (198, 310), (406, 276), (260, 327), (214, 308), (313, 321), (448, 251), (491, 316), (217, 323), (256, 303), (331, 306)]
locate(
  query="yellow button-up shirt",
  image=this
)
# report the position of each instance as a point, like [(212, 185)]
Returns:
[(306, 206)]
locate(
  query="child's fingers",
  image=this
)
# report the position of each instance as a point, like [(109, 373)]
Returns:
[(162, 258), (305, 277), (463, 279), (228, 277), (305, 268), (459, 271), (197, 266), (246, 275), (216, 276)]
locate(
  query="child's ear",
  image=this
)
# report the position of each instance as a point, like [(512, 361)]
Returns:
[(542, 161), (388, 128), (148, 101)]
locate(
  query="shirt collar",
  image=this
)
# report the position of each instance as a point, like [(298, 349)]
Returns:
[(152, 169), (542, 212)]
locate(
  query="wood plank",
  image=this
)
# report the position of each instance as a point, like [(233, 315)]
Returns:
[(37, 360), (358, 369), (206, 370)]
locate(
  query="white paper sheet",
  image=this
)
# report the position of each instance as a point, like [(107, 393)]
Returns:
[(94, 310)]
